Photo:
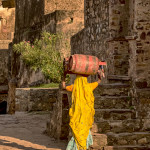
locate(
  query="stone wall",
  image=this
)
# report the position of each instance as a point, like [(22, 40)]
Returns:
[(7, 25), (4, 66), (142, 29), (35, 99), (92, 39), (52, 5), (118, 32), (29, 27), (68, 23)]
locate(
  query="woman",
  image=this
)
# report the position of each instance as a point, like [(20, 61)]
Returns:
[(81, 112)]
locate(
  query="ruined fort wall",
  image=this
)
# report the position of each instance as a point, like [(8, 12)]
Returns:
[(29, 27), (142, 30), (53, 5), (92, 39), (4, 66), (7, 24)]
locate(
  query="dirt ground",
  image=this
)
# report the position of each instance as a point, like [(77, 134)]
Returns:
[(24, 131)]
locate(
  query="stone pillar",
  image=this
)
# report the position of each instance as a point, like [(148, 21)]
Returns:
[(58, 125)]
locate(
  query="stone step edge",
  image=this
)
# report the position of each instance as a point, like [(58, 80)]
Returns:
[(119, 134), (111, 121), (114, 85), (127, 133), (112, 97), (120, 147), (115, 110), (117, 77)]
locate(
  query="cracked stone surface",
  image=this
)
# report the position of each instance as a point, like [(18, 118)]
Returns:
[(25, 131)]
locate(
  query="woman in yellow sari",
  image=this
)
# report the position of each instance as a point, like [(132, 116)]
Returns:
[(81, 112)]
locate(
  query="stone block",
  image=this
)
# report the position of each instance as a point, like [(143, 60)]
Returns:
[(99, 140), (118, 126), (113, 114), (112, 90), (135, 138), (112, 102)]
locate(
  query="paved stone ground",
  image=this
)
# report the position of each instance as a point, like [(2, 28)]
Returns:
[(24, 131)]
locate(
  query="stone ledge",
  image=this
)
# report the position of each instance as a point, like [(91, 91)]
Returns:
[(4, 89), (116, 77)]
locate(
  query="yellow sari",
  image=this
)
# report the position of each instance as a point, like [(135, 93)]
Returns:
[(82, 110)]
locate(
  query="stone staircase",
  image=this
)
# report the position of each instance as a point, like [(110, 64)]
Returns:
[(116, 125)]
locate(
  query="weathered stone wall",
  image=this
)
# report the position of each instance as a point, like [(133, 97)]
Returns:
[(35, 99), (140, 58), (92, 40), (4, 54), (68, 23), (29, 27), (118, 31), (119, 18), (52, 5), (4, 66), (118, 60), (7, 25), (142, 29)]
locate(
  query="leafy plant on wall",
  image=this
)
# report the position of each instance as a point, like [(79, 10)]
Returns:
[(43, 54)]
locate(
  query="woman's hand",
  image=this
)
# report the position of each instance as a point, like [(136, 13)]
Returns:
[(100, 75), (63, 85)]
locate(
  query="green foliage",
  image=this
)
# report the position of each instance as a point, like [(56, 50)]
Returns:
[(43, 54), (50, 85)]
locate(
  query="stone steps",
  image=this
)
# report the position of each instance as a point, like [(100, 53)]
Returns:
[(113, 114), (125, 147), (118, 126), (114, 89), (134, 138), (123, 141), (117, 78), (113, 102), (129, 147)]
